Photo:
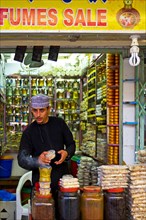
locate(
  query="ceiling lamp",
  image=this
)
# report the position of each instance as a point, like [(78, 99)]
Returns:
[(53, 53), (37, 53), (134, 60), (19, 53)]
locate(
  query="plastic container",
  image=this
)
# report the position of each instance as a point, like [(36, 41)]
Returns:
[(92, 203), (5, 166), (69, 205), (115, 204), (45, 174), (43, 207)]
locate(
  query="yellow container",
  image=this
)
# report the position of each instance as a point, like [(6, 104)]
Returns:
[(45, 174)]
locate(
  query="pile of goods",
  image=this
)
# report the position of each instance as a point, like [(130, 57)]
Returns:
[(101, 147), (141, 156), (113, 176), (88, 144), (87, 172), (137, 192), (68, 182)]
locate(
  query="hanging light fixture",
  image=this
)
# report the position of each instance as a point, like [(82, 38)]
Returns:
[(53, 53), (37, 53), (19, 53), (134, 60)]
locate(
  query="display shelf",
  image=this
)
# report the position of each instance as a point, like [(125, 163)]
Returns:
[(130, 102), (101, 108), (130, 80), (90, 143), (112, 125), (113, 106), (130, 123), (114, 145)]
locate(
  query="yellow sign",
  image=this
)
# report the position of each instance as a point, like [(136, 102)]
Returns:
[(73, 16)]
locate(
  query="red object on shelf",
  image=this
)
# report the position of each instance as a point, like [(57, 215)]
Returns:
[(74, 168)]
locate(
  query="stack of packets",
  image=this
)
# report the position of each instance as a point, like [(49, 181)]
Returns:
[(137, 192), (113, 176), (68, 181), (141, 156), (87, 172)]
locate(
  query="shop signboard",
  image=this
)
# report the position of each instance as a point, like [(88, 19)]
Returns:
[(63, 16)]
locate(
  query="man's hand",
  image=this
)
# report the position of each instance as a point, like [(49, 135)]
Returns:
[(63, 154), (43, 159)]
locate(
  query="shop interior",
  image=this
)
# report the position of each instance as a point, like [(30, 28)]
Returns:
[(73, 62)]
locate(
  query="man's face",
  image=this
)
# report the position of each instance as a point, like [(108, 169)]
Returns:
[(41, 114)]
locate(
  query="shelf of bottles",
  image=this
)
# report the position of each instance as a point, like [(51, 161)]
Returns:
[(19, 90), (64, 95), (67, 104), (101, 113), (112, 72), (17, 99)]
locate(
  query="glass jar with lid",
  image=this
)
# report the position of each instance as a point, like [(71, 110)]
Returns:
[(18, 82), (115, 204), (41, 82), (24, 91), (9, 91), (9, 100), (49, 82), (92, 203), (43, 207), (34, 92), (69, 204), (75, 94), (25, 82), (17, 92), (33, 82), (75, 84)]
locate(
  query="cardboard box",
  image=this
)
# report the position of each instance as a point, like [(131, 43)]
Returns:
[(7, 210)]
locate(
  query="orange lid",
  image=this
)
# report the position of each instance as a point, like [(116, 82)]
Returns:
[(62, 189), (116, 190), (91, 189)]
